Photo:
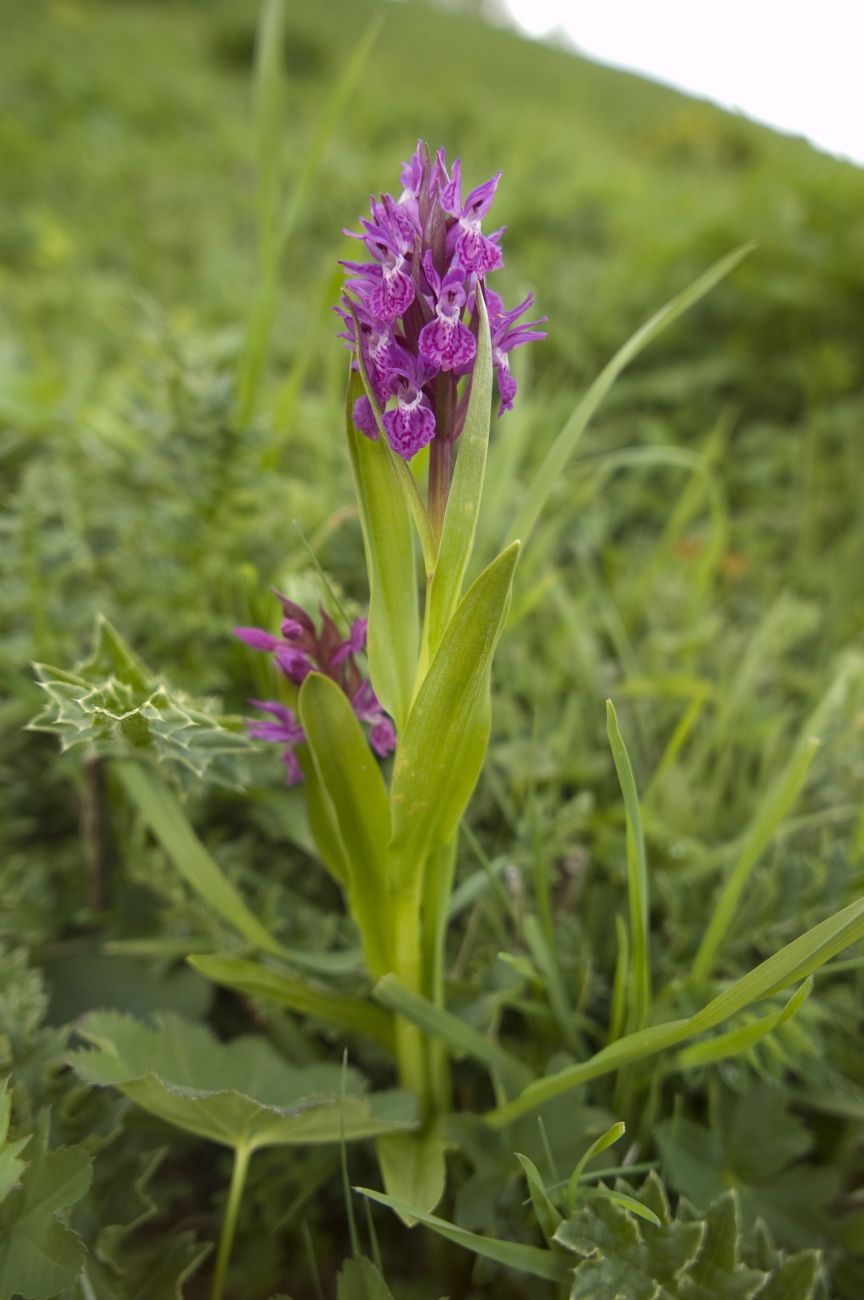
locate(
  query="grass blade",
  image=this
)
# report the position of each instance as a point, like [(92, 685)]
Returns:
[(637, 877), (549, 474)]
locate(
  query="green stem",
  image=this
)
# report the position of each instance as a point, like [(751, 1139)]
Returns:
[(436, 900), (408, 966), (242, 1155)]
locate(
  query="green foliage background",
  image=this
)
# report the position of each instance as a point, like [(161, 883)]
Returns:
[(701, 562)]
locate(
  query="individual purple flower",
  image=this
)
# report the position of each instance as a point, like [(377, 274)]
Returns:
[(506, 335), (301, 648), (445, 343), (473, 250), (286, 730), (410, 313), (412, 423), (382, 736)]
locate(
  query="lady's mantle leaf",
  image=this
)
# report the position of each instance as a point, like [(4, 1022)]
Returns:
[(39, 1256), (240, 1094)]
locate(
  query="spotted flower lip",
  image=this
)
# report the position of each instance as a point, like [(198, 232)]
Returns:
[(300, 649), (410, 313)]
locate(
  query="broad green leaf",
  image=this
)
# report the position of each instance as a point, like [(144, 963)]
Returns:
[(165, 818), (466, 489), (794, 962), (39, 1256), (131, 1260), (359, 1279), (239, 1094), (413, 1168), (350, 773), (323, 822), (441, 750), (287, 990), (11, 1165), (462, 1039), (548, 1216), (549, 474), (394, 630), (770, 813), (637, 876), (525, 1259)]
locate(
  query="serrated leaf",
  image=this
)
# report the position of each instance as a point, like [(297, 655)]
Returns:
[(39, 1255), (11, 1165), (239, 1094), (717, 1272), (359, 1279)]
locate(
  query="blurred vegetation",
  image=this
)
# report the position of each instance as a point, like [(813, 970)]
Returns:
[(702, 562)]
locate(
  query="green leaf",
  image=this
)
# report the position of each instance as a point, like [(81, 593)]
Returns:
[(39, 1255), (394, 631), (737, 1041), (239, 1094), (548, 1216), (260, 981), (359, 1279), (794, 962), (413, 1168), (525, 1259), (770, 813), (165, 818), (551, 470), (11, 1166), (462, 1039), (134, 1260), (602, 1143), (114, 707), (637, 877), (466, 490), (348, 770), (441, 750)]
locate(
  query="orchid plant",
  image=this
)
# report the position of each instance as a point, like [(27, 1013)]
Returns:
[(426, 334)]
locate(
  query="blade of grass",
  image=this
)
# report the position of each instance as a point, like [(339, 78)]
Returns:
[(792, 963), (637, 877), (552, 468), (770, 813)]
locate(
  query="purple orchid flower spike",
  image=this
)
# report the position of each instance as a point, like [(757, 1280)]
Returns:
[(410, 312), (301, 648)]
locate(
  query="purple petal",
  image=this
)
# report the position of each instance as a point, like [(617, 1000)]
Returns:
[(392, 296), (293, 771), (364, 418), (383, 737), (479, 201), (451, 194), (257, 638), (477, 253), (409, 428), (293, 663), (447, 344)]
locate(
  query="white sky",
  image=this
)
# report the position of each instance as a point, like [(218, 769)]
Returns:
[(797, 66)]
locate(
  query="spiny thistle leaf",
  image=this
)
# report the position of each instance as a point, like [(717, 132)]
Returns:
[(112, 705)]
